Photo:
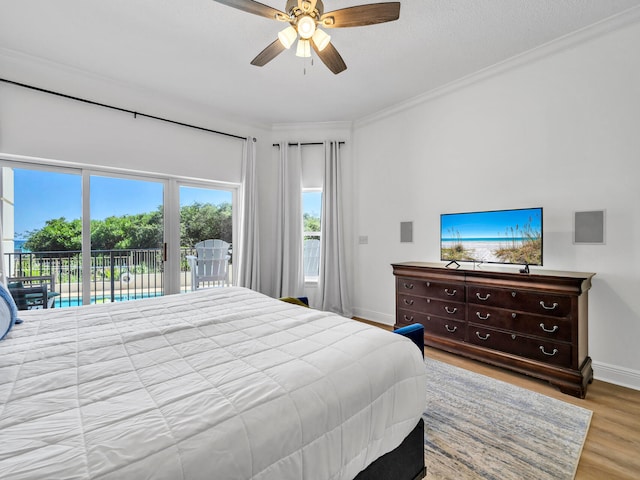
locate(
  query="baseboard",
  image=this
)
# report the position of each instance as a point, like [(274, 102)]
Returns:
[(373, 316), (625, 377)]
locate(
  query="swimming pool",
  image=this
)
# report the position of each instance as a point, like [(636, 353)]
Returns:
[(76, 302)]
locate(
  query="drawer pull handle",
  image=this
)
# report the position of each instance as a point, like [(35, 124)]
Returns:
[(408, 319), (486, 337), (480, 297), (514, 315), (549, 330), (451, 329), (428, 284), (451, 294), (408, 302), (486, 317), (455, 309), (408, 286), (552, 307), (555, 350)]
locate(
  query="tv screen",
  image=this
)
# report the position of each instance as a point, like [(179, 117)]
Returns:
[(497, 236)]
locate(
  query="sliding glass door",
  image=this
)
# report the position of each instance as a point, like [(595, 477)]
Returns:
[(127, 238), (105, 237), (42, 229), (206, 237)]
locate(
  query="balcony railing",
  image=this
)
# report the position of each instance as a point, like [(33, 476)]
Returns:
[(116, 275)]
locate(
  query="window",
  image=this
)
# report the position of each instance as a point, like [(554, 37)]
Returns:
[(312, 231)]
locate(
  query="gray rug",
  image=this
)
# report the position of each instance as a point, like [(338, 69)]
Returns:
[(478, 427)]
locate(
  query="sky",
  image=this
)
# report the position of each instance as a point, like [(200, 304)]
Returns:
[(490, 224), (312, 203), (41, 196)]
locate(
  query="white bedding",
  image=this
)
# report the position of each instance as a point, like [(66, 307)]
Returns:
[(218, 384)]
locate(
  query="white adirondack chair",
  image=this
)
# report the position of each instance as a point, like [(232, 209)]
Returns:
[(210, 265), (311, 257)]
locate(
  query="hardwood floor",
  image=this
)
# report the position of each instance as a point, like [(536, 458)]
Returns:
[(612, 448)]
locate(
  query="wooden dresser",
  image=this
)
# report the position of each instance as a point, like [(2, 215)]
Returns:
[(533, 323)]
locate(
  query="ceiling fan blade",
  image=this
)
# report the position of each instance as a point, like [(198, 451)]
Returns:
[(268, 54), (361, 15), (330, 57), (256, 8)]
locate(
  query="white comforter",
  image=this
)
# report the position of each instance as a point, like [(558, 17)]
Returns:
[(217, 384)]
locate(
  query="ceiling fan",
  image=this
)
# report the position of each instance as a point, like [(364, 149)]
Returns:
[(305, 17)]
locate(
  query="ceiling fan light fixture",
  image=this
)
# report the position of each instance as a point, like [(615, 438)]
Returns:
[(306, 26), (304, 48), (287, 36), (321, 39)]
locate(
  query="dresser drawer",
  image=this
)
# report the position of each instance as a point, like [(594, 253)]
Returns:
[(443, 308), (433, 325), (556, 353), (520, 300), (556, 328), (426, 288)]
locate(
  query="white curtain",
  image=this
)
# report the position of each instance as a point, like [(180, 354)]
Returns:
[(332, 283), (248, 257), (289, 268)]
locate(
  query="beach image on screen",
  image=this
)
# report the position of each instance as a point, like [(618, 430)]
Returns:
[(501, 236)]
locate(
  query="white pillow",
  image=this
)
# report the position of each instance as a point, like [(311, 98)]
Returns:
[(8, 311)]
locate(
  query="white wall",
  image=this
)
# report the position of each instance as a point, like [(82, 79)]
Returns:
[(561, 132), (41, 125)]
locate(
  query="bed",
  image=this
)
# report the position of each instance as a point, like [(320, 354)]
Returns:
[(221, 383)]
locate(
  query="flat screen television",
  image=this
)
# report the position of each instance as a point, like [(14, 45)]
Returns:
[(496, 236)]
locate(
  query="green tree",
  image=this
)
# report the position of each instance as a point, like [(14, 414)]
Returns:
[(201, 221), (145, 230), (311, 223), (57, 234)]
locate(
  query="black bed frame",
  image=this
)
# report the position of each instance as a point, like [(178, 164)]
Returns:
[(406, 462)]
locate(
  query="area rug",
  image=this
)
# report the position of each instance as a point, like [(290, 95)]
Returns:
[(477, 427)]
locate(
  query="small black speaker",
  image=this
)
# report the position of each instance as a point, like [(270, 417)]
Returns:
[(406, 232), (588, 227)]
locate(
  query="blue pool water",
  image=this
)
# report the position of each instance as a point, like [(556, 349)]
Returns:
[(76, 302)]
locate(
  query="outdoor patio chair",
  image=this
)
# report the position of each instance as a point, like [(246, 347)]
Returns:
[(36, 291), (210, 264)]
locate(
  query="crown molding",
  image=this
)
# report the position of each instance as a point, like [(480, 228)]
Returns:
[(565, 42), (311, 126)]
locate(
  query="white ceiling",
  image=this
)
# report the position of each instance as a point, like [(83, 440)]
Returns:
[(199, 50)]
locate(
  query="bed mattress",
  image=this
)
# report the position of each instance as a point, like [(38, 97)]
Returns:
[(221, 383)]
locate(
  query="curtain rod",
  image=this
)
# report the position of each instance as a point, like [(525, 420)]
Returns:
[(304, 144), (135, 114)]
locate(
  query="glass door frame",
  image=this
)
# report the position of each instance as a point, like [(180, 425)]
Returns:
[(173, 235), (87, 173), (171, 208)]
